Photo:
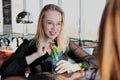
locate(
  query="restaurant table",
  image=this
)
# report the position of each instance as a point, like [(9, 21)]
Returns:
[(79, 75)]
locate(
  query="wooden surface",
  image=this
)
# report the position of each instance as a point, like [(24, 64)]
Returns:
[(79, 75)]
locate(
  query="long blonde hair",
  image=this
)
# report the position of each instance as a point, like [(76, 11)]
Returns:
[(40, 37), (109, 42)]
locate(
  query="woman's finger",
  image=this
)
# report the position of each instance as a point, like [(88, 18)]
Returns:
[(62, 70), (62, 65), (60, 62)]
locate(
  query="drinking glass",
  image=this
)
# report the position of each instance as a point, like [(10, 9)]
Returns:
[(55, 61)]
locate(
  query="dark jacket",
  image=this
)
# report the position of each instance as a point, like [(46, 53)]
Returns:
[(16, 64)]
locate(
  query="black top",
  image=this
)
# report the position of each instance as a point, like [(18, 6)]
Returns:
[(16, 64)]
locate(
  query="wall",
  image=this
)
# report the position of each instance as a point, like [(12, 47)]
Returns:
[(82, 19)]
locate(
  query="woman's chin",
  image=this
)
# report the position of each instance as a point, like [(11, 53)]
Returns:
[(51, 38)]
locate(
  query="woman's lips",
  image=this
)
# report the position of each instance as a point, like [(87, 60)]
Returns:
[(53, 33)]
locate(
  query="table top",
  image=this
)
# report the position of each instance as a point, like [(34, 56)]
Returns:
[(49, 76), (79, 75)]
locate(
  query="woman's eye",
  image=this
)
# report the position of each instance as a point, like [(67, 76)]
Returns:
[(49, 22), (58, 23)]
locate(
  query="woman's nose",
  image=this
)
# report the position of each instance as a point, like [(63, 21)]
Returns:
[(54, 26)]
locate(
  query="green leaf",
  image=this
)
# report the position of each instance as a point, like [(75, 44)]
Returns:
[(55, 52), (85, 65)]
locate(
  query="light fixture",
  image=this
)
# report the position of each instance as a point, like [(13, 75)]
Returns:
[(24, 16)]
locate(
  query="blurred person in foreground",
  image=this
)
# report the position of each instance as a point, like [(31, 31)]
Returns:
[(109, 42)]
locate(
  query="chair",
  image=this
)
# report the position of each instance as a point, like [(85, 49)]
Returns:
[(3, 58)]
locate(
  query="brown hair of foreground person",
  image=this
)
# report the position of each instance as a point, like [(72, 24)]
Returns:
[(109, 42)]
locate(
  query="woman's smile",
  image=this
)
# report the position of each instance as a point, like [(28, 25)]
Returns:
[(52, 33)]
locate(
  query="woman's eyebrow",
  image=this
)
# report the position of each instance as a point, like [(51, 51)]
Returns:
[(53, 21)]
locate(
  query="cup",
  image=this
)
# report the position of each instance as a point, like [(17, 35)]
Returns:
[(55, 61)]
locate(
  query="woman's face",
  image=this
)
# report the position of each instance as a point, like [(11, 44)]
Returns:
[(52, 24)]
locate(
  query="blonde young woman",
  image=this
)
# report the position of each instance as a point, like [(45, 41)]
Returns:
[(36, 53), (109, 37)]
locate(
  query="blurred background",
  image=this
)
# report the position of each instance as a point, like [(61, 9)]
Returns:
[(19, 18)]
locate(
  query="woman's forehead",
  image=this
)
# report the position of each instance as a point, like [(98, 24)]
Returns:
[(53, 15)]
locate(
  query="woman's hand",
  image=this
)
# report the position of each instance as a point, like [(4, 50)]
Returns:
[(42, 48), (63, 66)]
